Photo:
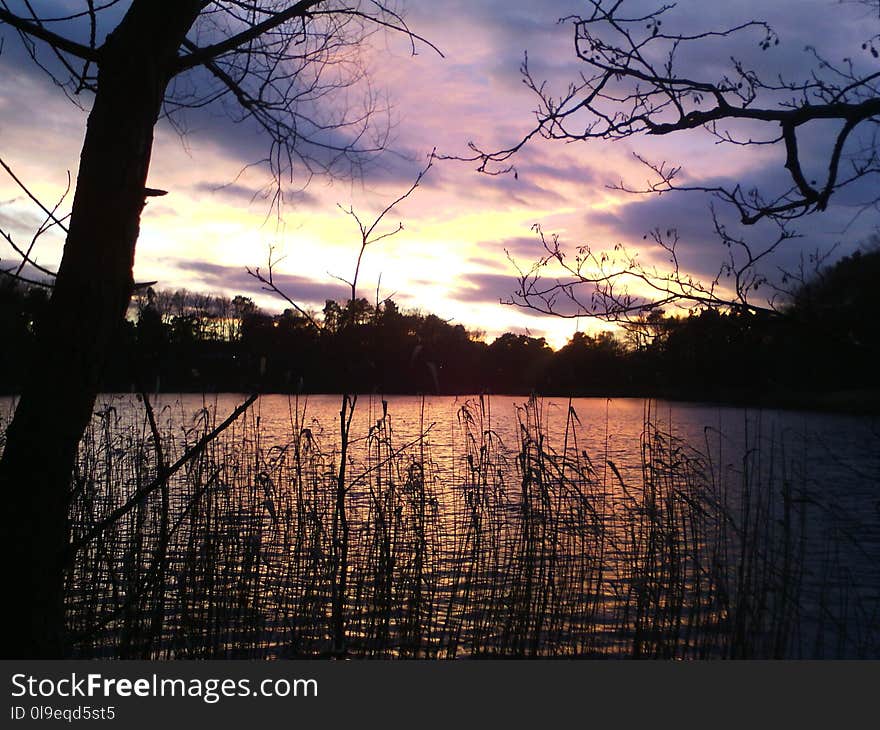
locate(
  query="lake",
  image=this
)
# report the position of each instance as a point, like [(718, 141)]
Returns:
[(478, 526)]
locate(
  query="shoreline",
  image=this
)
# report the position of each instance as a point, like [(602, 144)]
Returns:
[(853, 402)]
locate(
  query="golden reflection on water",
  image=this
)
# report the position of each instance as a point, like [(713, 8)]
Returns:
[(471, 526)]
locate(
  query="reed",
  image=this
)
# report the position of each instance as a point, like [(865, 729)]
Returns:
[(369, 546)]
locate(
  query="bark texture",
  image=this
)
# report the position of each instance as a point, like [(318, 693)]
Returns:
[(88, 304)]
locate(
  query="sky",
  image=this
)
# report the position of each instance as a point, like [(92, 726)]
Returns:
[(463, 233)]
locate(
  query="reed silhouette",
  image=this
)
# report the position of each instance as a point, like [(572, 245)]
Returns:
[(369, 546)]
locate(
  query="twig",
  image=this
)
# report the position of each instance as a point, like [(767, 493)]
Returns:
[(161, 478)]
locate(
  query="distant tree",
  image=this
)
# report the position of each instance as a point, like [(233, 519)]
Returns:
[(640, 76), (242, 308), (20, 308), (647, 329), (515, 362), (333, 316), (151, 336), (833, 322), (843, 293), (275, 62), (588, 365)]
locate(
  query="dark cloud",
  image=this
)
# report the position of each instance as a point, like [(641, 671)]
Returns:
[(688, 213), (488, 39), (526, 189), (485, 262), (699, 247), (522, 248), (222, 122), (571, 171), (236, 280), (332, 135), (244, 195), (501, 289), (17, 223), (482, 288), (509, 27), (28, 273), (233, 192), (507, 192), (16, 56), (159, 210), (398, 168)]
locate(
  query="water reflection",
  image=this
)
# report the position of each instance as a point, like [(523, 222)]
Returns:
[(477, 526)]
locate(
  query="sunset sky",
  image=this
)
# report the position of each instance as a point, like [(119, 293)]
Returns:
[(450, 258)]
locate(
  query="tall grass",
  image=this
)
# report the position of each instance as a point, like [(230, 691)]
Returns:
[(370, 547)]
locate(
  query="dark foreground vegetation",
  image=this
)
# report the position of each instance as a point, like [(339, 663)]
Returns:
[(188, 546), (824, 340), (196, 539)]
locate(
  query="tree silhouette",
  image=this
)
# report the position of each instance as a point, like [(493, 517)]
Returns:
[(644, 73), (273, 62)]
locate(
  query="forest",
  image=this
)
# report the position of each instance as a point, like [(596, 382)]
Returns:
[(823, 342)]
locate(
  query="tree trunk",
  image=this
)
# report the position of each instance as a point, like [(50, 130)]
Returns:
[(88, 304)]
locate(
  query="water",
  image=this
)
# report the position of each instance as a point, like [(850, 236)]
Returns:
[(836, 456), (487, 526), (835, 448), (833, 441)]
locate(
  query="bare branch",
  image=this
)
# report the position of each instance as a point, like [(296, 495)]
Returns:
[(615, 286), (367, 232), (198, 56), (47, 36), (269, 285), (164, 474), (634, 83), (33, 197)]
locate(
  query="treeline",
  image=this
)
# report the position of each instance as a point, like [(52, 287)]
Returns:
[(825, 340)]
